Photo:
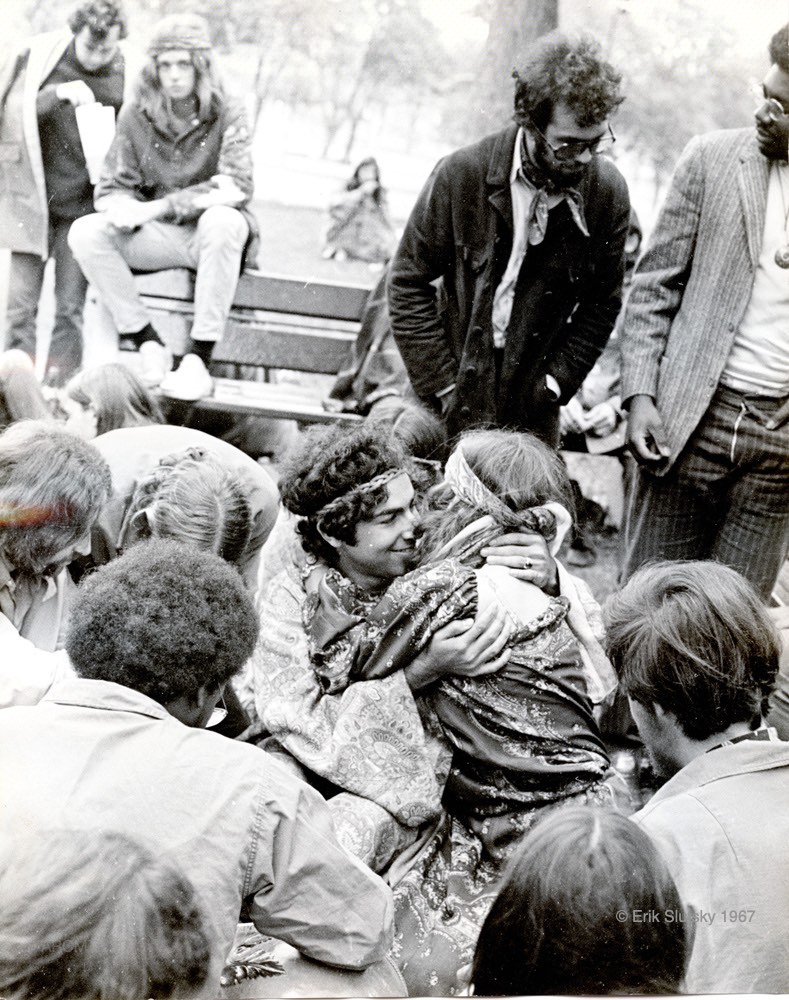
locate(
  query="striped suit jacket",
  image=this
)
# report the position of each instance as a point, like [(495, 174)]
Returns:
[(694, 281)]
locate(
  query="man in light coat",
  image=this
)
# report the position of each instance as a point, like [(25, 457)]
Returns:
[(705, 371), (697, 654), (44, 181), (122, 747)]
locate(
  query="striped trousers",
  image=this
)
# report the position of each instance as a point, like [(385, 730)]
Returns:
[(726, 497)]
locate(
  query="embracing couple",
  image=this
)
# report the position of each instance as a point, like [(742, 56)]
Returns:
[(427, 663)]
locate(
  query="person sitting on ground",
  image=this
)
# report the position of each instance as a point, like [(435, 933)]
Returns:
[(173, 193), (95, 914), (387, 753), (360, 227), (697, 655), (230, 508), (53, 486), (242, 829), (102, 399), (565, 920)]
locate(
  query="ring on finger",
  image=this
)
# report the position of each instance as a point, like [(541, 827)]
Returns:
[(527, 563)]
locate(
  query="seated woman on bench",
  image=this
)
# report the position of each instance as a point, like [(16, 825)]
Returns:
[(173, 193)]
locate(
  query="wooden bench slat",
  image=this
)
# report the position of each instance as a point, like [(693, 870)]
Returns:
[(275, 323), (266, 399), (272, 292)]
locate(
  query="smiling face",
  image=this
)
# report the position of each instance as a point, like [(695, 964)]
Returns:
[(772, 133), (385, 543), (177, 74)]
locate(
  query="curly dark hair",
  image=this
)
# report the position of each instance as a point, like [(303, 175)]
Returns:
[(163, 619), (694, 638), (779, 49), (100, 16), (560, 68), (327, 464)]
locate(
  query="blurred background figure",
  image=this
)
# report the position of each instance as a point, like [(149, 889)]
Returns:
[(20, 394), (360, 227), (556, 925), (96, 916), (107, 397), (45, 82)]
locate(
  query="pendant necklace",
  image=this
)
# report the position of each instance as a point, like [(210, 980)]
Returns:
[(782, 253)]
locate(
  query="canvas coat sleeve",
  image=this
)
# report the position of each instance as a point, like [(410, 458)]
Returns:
[(303, 888)]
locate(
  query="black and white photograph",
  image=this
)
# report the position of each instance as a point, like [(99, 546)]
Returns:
[(394, 498)]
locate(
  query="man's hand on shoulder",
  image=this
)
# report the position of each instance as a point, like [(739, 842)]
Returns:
[(646, 436), (527, 557)]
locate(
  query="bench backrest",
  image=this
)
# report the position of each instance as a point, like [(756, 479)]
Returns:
[(276, 321)]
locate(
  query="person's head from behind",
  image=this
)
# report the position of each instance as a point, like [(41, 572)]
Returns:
[(506, 475), (90, 915), (191, 497), (565, 93), (53, 486), (20, 393), (179, 67), (418, 431), (772, 111), (168, 621), (696, 655), (97, 26), (106, 398), (356, 501), (565, 920)]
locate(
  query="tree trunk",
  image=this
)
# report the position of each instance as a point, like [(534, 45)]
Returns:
[(514, 24)]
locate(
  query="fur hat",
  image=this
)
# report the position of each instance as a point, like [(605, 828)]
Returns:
[(180, 31)]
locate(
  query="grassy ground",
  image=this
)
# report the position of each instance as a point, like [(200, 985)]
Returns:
[(291, 240)]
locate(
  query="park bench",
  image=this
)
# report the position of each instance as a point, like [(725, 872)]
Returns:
[(277, 323)]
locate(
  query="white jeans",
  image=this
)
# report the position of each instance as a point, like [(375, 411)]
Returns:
[(212, 246)]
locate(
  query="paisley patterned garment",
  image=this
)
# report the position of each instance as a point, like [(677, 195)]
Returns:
[(524, 740)]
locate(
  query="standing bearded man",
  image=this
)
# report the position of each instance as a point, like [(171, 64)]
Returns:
[(524, 233)]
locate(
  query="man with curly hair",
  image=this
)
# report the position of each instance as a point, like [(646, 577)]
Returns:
[(524, 234), (45, 181), (705, 352), (154, 638)]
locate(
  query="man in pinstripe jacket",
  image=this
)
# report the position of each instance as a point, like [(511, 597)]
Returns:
[(706, 353)]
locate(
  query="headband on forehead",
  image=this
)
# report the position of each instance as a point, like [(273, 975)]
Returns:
[(359, 490), (551, 519)]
